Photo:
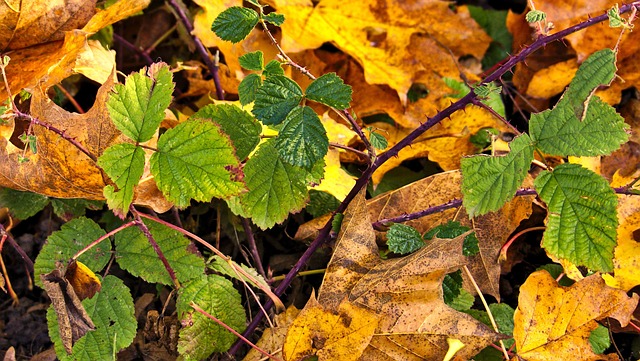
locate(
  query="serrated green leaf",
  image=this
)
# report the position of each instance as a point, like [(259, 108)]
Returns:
[(494, 23), (273, 68), (321, 203), (248, 87), (503, 315), (22, 205), (451, 286), (534, 16), (137, 107), (66, 242), (582, 217), (302, 141), (224, 268), (483, 137), (330, 90), (598, 69), (252, 61), (275, 188), (274, 18), (112, 312), (378, 140), (235, 23), (491, 94), (200, 336), (196, 161), (135, 254), (238, 124), (488, 182), (462, 302), (599, 339), (277, 96), (68, 209), (453, 229), (559, 132), (403, 239), (124, 164)]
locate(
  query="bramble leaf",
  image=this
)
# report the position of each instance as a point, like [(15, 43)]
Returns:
[(235, 23), (490, 181), (321, 203), (403, 239), (239, 125), (252, 61), (330, 90), (22, 205), (111, 310), (453, 229), (302, 141), (135, 254), (377, 140), (70, 208), (196, 161), (202, 336), (277, 96), (273, 68), (124, 164), (451, 286), (582, 218), (248, 87), (66, 242), (276, 188), (137, 107), (274, 18)]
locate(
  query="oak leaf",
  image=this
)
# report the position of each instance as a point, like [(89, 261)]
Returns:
[(402, 297), (554, 322)]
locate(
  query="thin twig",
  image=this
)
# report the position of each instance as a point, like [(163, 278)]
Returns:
[(97, 241), (252, 247), (70, 98), (133, 48)]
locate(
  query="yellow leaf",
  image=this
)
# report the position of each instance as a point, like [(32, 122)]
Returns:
[(273, 338), (626, 258), (554, 323), (552, 80)]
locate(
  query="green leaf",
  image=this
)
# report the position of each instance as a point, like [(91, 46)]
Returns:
[(111, 310), (321, 203), (239, 125), (124, 164), (221, 266), (275, 188), (503, 315), (582, 217), (599, 339), (555, 270), (598, 69), (483, 137), (274, 18), (135, 254), (196, 161), (488, 182), (22, 205), (615, 20), (200, 336), (378, 140), (535, 16), (252, 61), (451, 286), (559, 132), (137, 107), (330, 90), (403, 239), (68, 209), (273, 68), (453, 229), (277, 96), (461, 89), (248, 87), (302, 141), (462, 302), (494, 23), (489, 94), (66, 242), (235, 23)]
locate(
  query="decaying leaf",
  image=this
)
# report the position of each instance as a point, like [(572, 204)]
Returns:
[(405, 294), (73, 320), (273, 338), (83, 281), (554, 322), (626, 260)]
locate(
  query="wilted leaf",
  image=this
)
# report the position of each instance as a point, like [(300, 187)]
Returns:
[(554, 323), (273, 338)]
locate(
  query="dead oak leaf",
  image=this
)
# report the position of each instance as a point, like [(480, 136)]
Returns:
[(554, 322)]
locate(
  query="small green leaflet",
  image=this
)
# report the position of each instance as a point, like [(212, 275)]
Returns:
[(248, 87), (274, 18), (238, 124), (302, 141), (453, 229), (321, 203), (489, 94), (599, 339), (451, 286), (330, 90), (22, 205), (273, 68), (124, 164), (111, 310), (235, 23), (581, 124), (252, 61), (277, 96), (490, 181), (377, 140), (200, 336), (70, 208), (66, 242), (196, 161), (535, 16), (275, 188), (615, 20), (137, 107), (135, 254), (582, 219), (403, 239)]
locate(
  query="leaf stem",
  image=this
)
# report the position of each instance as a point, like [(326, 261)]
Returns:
[(383, 224), (252, 247), (133, 48), (97, 241)]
